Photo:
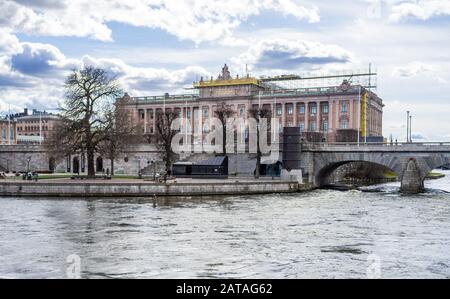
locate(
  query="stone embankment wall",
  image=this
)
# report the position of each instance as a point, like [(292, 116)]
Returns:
[(149, 190)]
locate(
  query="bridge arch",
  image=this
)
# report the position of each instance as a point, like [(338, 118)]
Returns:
[(327, 163), (410, 161), (410, 169), (323, 175)]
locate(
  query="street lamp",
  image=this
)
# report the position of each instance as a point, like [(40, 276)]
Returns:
[(407, 126), (410, 128)]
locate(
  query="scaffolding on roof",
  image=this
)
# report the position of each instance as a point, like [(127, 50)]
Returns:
[(366, 78)]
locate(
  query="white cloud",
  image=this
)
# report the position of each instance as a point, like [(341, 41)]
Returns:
[(412, 69), (34, 76), (423, 10), (199, 20), (143, 81), (8, 43), (281, 54), (70, 21)]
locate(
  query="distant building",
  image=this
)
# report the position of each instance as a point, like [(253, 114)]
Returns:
[(324, 111), (8, 131), (35, 127)]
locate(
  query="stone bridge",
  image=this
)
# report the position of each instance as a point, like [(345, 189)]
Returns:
[(410, 161)]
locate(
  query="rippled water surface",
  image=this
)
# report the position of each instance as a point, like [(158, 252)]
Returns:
[(320, 234)]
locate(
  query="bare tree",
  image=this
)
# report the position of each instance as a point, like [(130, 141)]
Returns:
[(164, 136), (118, 133), (223, 112), (64, 140), (259, 113), (89, 92)]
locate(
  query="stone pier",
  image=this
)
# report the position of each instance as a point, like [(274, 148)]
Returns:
[(412, 181)]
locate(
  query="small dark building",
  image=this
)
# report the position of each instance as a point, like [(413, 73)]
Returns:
[(213, 168)]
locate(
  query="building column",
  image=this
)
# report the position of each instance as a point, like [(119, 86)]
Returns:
[(283, 115), (145, 120), (294, 108), (351, 118), (336, 105), (330, 115), (318, 117), (306, 117), (154, 120)]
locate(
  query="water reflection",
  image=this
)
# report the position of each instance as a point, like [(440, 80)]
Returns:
[(323, 234)]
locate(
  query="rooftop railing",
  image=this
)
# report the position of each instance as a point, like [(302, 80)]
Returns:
[(167, 98)]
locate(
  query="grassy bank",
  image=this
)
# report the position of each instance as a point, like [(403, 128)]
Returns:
[(431, 176)]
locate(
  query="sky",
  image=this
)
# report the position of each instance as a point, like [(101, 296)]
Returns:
[(158, 46)]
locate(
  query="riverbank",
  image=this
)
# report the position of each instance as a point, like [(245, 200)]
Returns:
[(141, 188)]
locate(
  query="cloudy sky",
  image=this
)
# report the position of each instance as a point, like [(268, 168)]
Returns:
[(157, 46)]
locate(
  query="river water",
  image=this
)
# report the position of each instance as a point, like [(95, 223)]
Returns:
[(319, 234)]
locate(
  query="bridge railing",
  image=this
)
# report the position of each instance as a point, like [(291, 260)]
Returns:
[(378, 143), (398, 145)]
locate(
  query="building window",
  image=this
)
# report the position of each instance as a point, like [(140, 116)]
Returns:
[(241, 111), (314, 109), (313, 127), (290, 125), (302, 109), (290, 110), (344, 107), (325, 126), (344, 124), (142, 113), (302, 127), (188, 114), (325, 108), (151, 113), (279, 110)]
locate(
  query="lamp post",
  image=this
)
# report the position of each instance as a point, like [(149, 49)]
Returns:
[(407, 126), (410, 128)]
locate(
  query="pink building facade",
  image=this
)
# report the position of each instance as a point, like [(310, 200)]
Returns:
[(320, 110)]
